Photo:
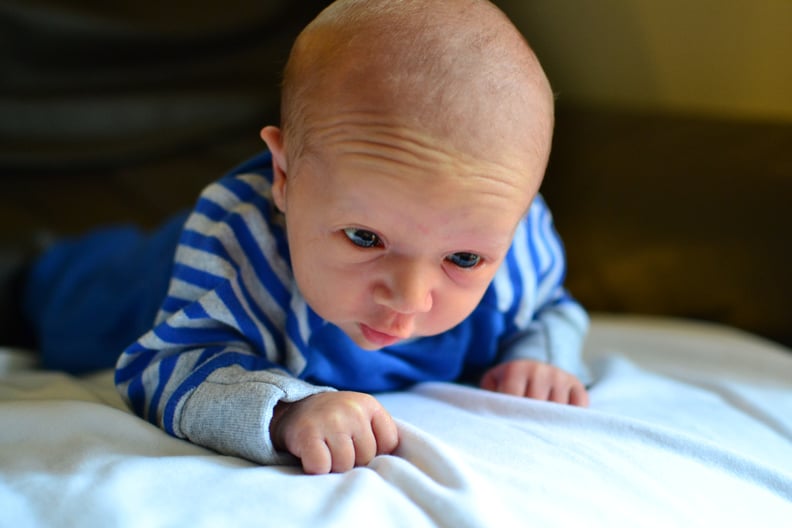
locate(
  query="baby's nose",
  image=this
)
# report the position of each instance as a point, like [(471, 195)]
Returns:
[(408, 290)]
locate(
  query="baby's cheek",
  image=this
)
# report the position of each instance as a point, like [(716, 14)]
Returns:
[(449, 312)]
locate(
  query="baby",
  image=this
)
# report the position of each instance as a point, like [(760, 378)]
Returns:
[(392, 234)]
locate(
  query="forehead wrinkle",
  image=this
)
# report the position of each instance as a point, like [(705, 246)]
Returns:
[(375, 144), (376, 137)]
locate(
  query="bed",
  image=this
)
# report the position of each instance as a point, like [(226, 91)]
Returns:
[(690, 425)]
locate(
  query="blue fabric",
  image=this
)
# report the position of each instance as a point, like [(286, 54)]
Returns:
[(208, 331), (233, 307), (91, 298), (88, 298)]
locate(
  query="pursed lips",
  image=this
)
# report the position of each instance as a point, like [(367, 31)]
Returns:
[(380, 339)]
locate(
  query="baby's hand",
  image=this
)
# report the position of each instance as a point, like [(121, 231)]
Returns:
[(334, 431), (534, 379)]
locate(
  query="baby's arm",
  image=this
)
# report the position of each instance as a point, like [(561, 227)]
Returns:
[(216, 369), (333, 431), (544, 360), (541, 353)]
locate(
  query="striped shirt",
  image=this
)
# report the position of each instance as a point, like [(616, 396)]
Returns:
[(234, 336)]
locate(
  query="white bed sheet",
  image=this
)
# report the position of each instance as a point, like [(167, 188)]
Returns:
[(690, 425)]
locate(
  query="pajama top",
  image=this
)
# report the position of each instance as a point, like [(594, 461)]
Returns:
[(234, 336)]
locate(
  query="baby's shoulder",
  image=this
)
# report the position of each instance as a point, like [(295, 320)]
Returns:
[(249, 181), (236, 188)]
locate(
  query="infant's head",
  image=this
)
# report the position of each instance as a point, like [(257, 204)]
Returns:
[(414, 135)]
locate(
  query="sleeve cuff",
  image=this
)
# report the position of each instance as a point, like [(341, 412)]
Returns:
[(555, 338), (231, 411)]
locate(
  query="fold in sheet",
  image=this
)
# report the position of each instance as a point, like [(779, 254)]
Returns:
[(689, 425)]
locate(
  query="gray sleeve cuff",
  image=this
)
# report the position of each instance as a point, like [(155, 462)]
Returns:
[(231, 411)]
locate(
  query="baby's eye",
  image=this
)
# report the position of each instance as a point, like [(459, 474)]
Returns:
[(362, 238), (464, 260)]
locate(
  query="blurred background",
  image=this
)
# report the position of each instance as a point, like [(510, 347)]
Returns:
[(670, 179)]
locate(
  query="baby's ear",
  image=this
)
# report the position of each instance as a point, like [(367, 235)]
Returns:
[(273, 137)]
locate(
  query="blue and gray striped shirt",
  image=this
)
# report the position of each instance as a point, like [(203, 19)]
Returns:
[(234, 336)]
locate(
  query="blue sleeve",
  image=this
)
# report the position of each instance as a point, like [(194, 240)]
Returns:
[(217, 360), (544, 322)]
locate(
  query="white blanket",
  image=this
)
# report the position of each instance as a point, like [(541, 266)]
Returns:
[(689, 425)]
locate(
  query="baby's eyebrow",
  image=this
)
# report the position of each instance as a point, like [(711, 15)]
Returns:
[(488, 245)]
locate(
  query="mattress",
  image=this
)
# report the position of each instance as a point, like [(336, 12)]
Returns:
[(690, 424)]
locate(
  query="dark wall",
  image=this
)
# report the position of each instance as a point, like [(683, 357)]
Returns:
[(113, 112), (88, 84), (677, 215)]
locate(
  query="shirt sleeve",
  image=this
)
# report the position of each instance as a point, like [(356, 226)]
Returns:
[(219, 357), (545, 322)]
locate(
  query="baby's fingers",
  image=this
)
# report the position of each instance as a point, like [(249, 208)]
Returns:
[(572, 393), (342, 452), (489, 381), (339, 452), (506, 379), (540, 388), (386, 435), (579, 396), (379, 438), (316, 457)]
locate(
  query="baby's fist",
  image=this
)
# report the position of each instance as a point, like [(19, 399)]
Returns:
[(334, 431)]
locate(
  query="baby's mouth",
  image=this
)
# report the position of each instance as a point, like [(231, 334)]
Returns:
[(377, 338)]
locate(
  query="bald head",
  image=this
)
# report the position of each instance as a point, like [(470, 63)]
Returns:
[(456, 69)]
